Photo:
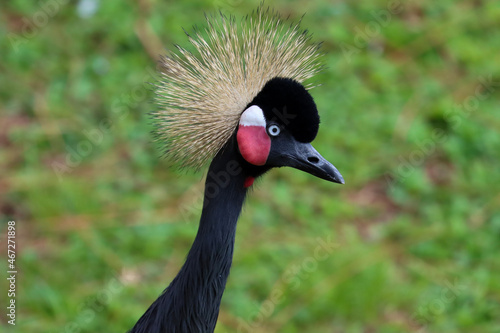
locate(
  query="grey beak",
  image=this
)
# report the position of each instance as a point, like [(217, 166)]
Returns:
[(304, 157)]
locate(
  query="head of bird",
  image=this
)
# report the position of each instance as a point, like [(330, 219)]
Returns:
[(276, 129)]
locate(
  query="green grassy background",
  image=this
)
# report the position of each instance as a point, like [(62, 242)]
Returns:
[(408, 117)]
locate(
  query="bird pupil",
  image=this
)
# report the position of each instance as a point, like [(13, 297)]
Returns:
[(274, 130)]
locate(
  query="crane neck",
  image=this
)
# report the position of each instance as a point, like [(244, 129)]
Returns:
[(209, 261), (192, 300), (224, 195)]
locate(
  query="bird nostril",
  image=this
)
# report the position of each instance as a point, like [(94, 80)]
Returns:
[(313, 159)]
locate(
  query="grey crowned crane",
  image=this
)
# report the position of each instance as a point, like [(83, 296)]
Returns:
[(238, 102)]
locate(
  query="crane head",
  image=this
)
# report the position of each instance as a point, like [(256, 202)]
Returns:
[(246, 79), (276, 129)]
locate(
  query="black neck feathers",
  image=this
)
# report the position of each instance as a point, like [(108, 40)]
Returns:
[(190, 304)]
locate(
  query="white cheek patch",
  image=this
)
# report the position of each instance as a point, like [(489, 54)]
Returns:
[(253, 116)]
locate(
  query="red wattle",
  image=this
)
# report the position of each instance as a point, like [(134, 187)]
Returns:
[(254, 144), (248, 182)]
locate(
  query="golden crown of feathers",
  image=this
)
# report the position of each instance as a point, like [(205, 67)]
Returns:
[(201, 95)]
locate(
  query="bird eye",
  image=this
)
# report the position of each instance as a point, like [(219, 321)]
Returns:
[(274, 130)]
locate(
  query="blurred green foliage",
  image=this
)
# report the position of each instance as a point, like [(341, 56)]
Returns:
[(410, 116)]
